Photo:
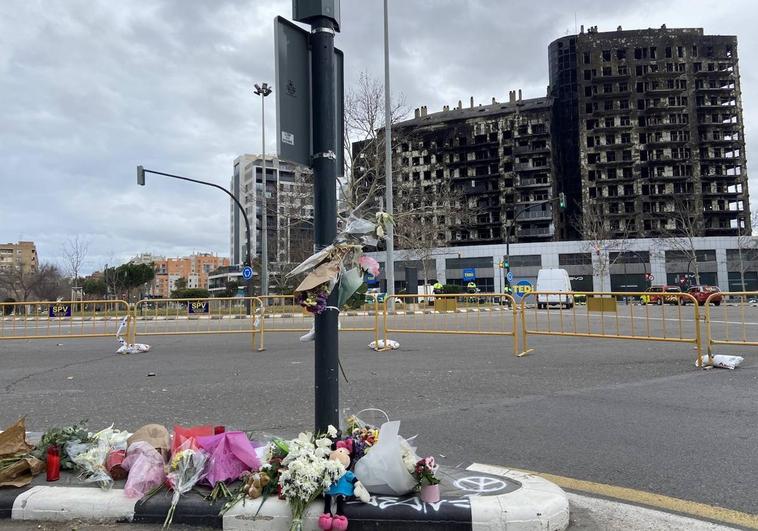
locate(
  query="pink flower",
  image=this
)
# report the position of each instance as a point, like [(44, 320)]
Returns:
[(369, 264)]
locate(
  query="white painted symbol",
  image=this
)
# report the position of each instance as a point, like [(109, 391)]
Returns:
[(480, 484)]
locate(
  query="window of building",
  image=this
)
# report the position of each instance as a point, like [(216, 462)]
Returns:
[(606, 55), (529, 260), (575, 259), (586, 58), (607, 71), (621, 54)]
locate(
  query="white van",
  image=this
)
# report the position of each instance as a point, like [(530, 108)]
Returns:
[(557, 281)]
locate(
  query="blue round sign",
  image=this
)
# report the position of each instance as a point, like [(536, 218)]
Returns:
[(247, 272), (521, 288), (509, 276)]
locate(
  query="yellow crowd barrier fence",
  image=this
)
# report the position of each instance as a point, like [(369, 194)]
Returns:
[(216, 315), (62, 319), (282, 313), (728, 320), (611, 315), (483, 314)]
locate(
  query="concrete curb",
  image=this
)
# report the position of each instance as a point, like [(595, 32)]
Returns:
[(479, 498)]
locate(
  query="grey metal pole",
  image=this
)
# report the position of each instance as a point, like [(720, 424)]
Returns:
[(264, 204), (325, 214), (263, 90), (389, 266)]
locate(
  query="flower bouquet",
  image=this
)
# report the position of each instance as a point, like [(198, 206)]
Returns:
[(186, 468), (306, 473)]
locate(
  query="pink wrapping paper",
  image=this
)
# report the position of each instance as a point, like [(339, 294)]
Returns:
[(231, 454), (146, 471)]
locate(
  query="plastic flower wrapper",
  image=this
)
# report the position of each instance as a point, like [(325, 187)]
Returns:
[(350, 281), (230, 454), (146, 469), (186, 468), (90, 459)]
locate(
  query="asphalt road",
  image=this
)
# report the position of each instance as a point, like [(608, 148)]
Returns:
[(628, 413)]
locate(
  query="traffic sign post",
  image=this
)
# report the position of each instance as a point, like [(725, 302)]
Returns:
[(509, 277), (320, 117), (247, 273), (521, 289)]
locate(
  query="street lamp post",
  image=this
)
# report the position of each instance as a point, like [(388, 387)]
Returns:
[(249, 261), (263, 91), (389, 266)]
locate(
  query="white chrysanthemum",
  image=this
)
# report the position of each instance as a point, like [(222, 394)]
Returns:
[(331, 431)]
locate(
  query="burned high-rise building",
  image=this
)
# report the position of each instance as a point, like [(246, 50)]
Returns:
[(471, 171), (648, 124), (640, 130)]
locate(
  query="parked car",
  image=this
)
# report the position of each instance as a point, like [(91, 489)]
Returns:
[(656, 295), (555, 282), (701, 294)]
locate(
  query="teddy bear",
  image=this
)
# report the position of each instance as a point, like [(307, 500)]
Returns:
[(347, 485)]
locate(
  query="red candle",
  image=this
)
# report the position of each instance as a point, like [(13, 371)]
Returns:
[(53, 463), (218, 429)]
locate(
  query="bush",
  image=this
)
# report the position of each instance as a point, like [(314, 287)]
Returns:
[(452, 288), (190, 293)]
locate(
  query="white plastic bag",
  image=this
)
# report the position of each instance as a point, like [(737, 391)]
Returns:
[(383, 469), (724, 362), (394, 345)]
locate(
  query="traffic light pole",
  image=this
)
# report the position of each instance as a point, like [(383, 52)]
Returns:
[(562, 204), (249, 261), (325, 214)]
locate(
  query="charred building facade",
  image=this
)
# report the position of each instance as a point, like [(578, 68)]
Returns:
[(647, 123), (478, 166)]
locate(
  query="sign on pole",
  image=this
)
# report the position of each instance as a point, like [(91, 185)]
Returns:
[(293, 95), (522, 288), (247, 272), (293, 91), (509, 276)]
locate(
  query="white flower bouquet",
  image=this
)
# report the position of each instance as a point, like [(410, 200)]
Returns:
[(306, 473)]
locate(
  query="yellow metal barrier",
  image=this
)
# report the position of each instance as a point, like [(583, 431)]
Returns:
[(62, 319), (221, 315), (611, 315), (281, 313), (483, 314), (736, 323)]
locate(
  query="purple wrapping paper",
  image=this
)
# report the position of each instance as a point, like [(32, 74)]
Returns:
[(231, 454)]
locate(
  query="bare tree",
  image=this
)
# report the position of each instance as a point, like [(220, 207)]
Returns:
[(363, 185), (24, 284), (683, 223), (74, 253), (602, 238)]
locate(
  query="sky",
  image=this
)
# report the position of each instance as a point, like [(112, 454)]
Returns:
[(89, 89)]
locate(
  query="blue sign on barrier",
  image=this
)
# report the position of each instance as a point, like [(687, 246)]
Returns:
[(198, 307), (247, 272), (59, 310), (469, 274), (521, 288), (370, 280)]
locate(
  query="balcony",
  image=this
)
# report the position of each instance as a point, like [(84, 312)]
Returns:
[(529, 215), (540, 232), (532, 183), (527, 167)]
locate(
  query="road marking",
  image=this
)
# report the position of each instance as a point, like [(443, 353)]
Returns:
[(650, 499)]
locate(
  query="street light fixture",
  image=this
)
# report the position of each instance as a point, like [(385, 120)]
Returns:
[(263, 91), (249, 262)]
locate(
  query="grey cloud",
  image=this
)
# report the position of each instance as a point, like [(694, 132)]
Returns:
[(90, 91)]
